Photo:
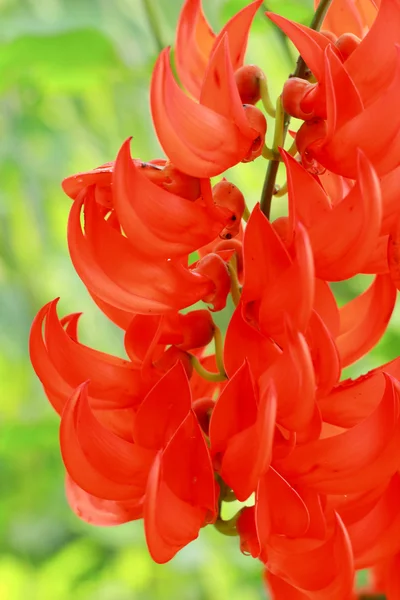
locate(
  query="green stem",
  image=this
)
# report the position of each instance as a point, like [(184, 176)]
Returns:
[(301, 72), (148, 6), (219, 350), (227, 527), (208, 375)]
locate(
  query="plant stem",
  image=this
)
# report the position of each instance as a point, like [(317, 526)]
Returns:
[(300, 71), (148, 6), (208, 375)]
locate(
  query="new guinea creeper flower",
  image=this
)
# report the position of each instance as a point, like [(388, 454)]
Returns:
[(190, 418), (207, 137)]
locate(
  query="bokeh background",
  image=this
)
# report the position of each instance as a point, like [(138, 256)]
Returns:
[(74, 79)]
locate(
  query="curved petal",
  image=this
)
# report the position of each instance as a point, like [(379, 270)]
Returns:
[(241, 432), (376, 536), (324, 355), (358, 217), (372, 71), (322, 571), (371, 131), (115, 380), (279, 303), (294, 381), (180, 494), (311, 44), (170, 400), (351, 401), (393, 255), (99, 512), (56, 388), (193, 43), (111, 269), (198, 140), (157, 223), (244, 342), (345, 16), (363, 321), (237, 30), (83, 452), (288, 515), (355, 460)]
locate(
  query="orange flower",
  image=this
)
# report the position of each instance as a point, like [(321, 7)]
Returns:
[(206, 138)]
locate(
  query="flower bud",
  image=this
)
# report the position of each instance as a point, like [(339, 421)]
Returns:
[(332, 37), (167, 176), (309, 133), (257, 121), (227, 195), (248, 80), (294, 91), (346, 44), (197, 328), (215, 268)]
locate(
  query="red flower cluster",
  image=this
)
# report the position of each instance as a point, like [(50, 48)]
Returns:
[(172, 432)]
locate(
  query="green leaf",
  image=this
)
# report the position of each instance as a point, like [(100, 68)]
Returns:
[(63, 61)]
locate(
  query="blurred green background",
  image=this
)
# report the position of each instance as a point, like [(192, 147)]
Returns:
[(74, 79)]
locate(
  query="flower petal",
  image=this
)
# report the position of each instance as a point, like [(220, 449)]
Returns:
[(364, 319)]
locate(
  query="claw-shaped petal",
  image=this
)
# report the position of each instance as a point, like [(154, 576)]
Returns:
[(200, 140), (357, 216), (157, 223), (195, 41), (355, 460), (180, 493), (364, 320), (113, 271), (241, 432)]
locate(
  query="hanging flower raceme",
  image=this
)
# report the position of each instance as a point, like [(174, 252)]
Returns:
[(172, 432)]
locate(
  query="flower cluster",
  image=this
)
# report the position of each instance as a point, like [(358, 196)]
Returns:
[(172, 433)]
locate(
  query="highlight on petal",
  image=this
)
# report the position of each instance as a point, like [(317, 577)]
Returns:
[(180, 494), (363, 321)]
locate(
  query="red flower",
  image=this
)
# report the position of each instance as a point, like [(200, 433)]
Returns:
[(206, 138)]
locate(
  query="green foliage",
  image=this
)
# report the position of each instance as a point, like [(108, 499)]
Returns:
[(74, 78)]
